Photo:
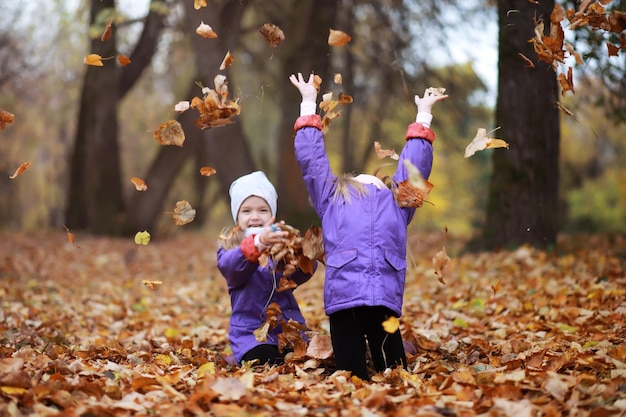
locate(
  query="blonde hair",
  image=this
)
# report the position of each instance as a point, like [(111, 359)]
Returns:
[(231, 237), (343, 184)]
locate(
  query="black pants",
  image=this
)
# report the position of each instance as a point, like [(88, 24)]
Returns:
[(265, 354), (349, 330)]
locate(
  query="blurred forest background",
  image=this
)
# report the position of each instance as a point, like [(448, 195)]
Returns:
[(73, 121)]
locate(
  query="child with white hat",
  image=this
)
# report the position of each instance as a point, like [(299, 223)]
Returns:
[(252, 288)]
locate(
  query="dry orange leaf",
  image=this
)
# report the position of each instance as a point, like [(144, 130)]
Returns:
[(93, 59), (529, 63), (198, 4), (441, 262), (170, 133), (207, 171), (123, 60), (384, 153), (151, 284), (566, 81), (613, 50), (227, 61), (320, 347), (106, 34), (183, 213), (272, 34), (206, 31), (215, 108), (483, 141), (139, 184), (21, 169), (338, 38), (495, 287), (70, 237), (6, 118)]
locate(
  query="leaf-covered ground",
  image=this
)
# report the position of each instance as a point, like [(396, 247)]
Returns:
[(520, 333)]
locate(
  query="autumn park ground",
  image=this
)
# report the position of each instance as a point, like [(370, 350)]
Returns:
[(510, 333)]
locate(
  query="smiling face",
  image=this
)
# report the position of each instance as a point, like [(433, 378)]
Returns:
[(253, 212)]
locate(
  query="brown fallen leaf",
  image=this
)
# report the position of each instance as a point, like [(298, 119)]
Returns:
[(106, 34), (272, 34), (151, 284), (170, 133), (206, 31), (123, 60), (441, 262), (6, 118), (227, 61), (338, 38), (384, 153), (207, 171), (139, 184), (19, 170), (183, 213)]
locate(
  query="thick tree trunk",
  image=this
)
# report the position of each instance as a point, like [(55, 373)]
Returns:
[(307, 51), (523, 204), (225, 148), (95, 197)]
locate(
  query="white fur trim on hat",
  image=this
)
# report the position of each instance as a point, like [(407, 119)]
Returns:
[(246, 186)]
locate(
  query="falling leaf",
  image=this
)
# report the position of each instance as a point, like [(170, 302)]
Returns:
[(207, 171), (384, 153), (139, 184), (338, 38), (21, 169), (198, 4), (529, 63), (142, 238), (183, 213), (391, 325), (106, 34), (6, 118), (215, 108), (206, 31), (123, 60), (337, 79), (612, 49), (496, 286), (272, 34), (566, 81), (227, 61), (170, 133), (93, 59), (441, 263), (482, 141), (320, 347), (70, 237), (151, 284), (181, 106)]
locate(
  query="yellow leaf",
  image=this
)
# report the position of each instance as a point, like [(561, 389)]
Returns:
[(13, 390), (93, 59), (162, 359), (483, 141), (207, 368), (142, 238), (391, 325)]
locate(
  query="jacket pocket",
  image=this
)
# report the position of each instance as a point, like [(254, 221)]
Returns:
[(339, 259), (397, 262)]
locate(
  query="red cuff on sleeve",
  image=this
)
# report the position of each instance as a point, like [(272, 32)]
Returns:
[(249, 249), (418, 130), (312, 120)]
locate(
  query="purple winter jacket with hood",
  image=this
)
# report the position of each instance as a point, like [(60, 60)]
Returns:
[(252, 289), (364, 238)]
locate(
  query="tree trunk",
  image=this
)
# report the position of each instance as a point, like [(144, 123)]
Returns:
[(522, 206), (95, 197), (225, 147), (308, 51)]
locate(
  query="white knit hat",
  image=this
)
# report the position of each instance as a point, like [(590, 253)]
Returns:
[(255, 184)]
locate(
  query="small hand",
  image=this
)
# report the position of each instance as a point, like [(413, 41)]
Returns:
[(307, 88), (426, 103), (272, 233)]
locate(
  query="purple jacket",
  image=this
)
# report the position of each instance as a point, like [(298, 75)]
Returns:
[(251, 289), (364, 239)]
